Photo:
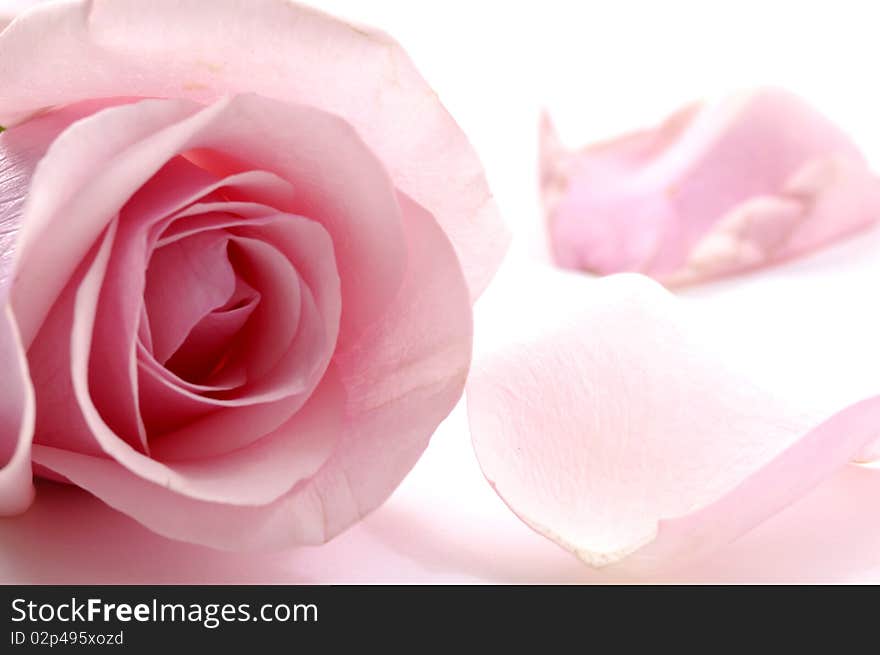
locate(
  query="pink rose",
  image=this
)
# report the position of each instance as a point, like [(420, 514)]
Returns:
[(716, 189), (238, 252)]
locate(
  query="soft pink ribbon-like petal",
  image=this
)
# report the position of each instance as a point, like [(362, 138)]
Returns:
[(717, 189), (405, 373), (281, 50), (623, 435)]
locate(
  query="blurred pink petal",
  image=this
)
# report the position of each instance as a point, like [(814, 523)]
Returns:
[(179, 50), (620, 432), (715, 190)]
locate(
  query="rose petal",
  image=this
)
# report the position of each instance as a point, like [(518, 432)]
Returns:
[(408, 371), (228, 379), (220, 432), (568, 179), (16, 419), (186, 280), (826, 199), (819, 454), (596, 432), (57, 206), (307, 245), (210, 337), (826, 537), (184, 189), (248, 476), (20, 150), (718, 189), (279, 49), (284, 350)]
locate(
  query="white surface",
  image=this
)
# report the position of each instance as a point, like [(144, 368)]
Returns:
[(809, 328)]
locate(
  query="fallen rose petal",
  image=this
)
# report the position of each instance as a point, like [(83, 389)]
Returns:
[(717, 189), (618, 431)]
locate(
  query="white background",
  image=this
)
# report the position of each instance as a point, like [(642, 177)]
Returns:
[(599, 68)]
